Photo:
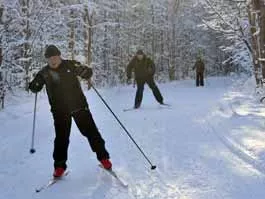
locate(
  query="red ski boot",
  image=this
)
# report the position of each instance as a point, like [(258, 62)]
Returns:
[(58, 172), (106, 163)]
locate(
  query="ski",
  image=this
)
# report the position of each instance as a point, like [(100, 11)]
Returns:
[(113, 174), (51, 182), (165, 104), (129, 109), (160, 105)]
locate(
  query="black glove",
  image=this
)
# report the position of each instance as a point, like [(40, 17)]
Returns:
[(36, 84), (33, 86)]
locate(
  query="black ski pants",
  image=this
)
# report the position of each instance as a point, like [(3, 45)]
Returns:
[(199, 79), (140, 89), (85, 123)]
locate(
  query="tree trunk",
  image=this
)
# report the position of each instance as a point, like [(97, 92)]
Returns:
[(262, 37), (88, 36), (72, 35), (252, 21), (26, 45), (1, 26), (153, 33)]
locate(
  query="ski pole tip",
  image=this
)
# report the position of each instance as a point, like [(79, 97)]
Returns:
[(32, 151), (153, 167)]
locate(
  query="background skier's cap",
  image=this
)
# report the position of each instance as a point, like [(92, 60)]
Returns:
[(140, 52), (52, 50)]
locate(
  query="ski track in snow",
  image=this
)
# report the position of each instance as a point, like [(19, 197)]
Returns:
[(231, 107), (200, 145)]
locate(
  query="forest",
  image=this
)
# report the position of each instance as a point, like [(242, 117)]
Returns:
[(105, 35)]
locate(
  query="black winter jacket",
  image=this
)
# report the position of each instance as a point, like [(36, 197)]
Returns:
[(62, 86), (143, 69)]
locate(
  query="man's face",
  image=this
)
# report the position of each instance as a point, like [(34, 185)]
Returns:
[(140, 57), (54, 61)]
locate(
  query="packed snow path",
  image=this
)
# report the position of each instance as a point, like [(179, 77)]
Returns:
[(186, 142)]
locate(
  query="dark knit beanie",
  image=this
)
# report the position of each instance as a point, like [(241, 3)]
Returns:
[(52, 50), (140, 52)]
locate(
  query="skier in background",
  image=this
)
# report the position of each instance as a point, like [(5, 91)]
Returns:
[(68, 101), (144, 70), (200, 67), (2, 90)]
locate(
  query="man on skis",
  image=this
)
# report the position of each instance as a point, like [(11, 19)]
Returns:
[(68, 101), (200, 67), (2, 91), (144, 70)]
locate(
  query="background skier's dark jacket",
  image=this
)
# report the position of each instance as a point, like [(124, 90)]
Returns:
[(143, 69), (199, 66), (62, 85)]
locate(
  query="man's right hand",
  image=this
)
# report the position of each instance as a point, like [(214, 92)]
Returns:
[(36, 84), (33, 86)]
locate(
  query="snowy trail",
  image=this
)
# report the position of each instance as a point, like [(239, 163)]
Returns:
[(192, 160)]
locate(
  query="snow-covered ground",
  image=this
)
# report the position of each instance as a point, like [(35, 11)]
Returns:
[(210, 144)]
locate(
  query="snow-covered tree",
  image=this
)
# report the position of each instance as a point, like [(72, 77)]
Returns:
[(230, 20), (107, 34)]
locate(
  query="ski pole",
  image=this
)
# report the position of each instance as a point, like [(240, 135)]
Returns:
[(32, 150), (152, 166)]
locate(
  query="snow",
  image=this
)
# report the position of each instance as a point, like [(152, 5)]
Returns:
[(208, 144)]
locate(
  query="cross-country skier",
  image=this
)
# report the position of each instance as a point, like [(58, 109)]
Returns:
[(2, 90), (68, 101), (200, 67), (144, 70)]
